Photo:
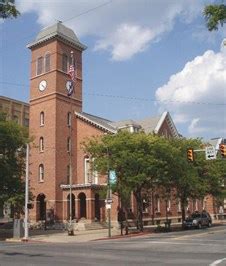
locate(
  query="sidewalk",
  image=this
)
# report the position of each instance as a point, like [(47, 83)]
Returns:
[(91, 235), (79, 236)]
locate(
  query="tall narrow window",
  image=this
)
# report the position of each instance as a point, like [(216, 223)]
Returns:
[(39, 65), (179, 206), (168, 205), (157, 204), (68, 144), (41, 173), (196, 205), (69, 119), (47, 62), (41, 144), (42, 119), (88, 177), (64, 63)]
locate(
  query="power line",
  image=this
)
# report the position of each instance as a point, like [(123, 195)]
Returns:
[(88, 11), (74, 17), (129, 97)]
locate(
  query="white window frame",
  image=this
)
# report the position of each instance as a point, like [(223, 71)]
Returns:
[(41, 144), (41, 173), (42, 119)]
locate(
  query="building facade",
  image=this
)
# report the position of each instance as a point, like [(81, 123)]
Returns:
[(58, 125), (15, 110)]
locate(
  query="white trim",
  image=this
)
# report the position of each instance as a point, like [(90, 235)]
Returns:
[(160, 122), (95, 123), (166, 116)]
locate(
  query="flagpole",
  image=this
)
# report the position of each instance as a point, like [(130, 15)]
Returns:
[(70, 232)]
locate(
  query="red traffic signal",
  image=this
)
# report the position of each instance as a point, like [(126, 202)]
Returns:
[(223, 150), (190, 155)]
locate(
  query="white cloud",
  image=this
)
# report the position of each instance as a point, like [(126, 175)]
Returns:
[(120, 43), (122, 27), (194, 95)]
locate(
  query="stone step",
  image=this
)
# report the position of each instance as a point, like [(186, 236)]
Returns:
[(96, 226)]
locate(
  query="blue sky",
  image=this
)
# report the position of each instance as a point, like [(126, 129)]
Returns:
[(143, 57)]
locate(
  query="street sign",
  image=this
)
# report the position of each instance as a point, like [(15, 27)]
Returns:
[(108, 206), (210, 153), (108, 201)]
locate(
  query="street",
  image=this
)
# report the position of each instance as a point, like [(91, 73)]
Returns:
[(192, 247)]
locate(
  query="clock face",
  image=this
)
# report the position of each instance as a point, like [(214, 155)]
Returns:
[(42, 85), (69, 87)]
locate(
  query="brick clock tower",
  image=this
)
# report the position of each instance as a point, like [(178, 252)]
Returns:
[(51, 124)]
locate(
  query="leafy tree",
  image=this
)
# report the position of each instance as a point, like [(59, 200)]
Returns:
[(8, 9), (215, 15), (12, 164), (145, 163), (138, 160)]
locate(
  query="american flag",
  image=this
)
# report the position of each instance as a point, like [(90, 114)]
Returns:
[(71, 72)]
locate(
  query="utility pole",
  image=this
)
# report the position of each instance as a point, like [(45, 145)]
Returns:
[(26, 195)]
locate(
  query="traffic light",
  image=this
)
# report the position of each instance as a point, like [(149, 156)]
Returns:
[(223, 150), (190, 155)]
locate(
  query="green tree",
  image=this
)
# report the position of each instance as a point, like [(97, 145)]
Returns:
[(185, 178), (12, 163), (8, 9), (139, 161), (215, 15)]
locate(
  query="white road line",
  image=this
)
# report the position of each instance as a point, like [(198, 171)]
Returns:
[(185, 243), (216, 262)]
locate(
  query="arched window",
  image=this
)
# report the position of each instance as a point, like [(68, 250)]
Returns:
[(68, 144), (42, 119), (47, 62), (39, 65), (69, 119), (41, 173), (41, 144), (64, 63)]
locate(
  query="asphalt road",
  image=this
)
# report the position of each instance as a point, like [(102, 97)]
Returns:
[(192, 247)]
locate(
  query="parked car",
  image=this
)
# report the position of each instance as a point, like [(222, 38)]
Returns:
[(198, 220)]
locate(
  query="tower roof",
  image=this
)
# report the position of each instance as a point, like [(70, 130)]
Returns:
[(60, 31)]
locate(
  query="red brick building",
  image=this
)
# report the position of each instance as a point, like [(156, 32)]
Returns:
[(58, 125)]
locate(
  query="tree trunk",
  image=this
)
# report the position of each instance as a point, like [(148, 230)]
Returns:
[(183, 204), (139, 210)]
